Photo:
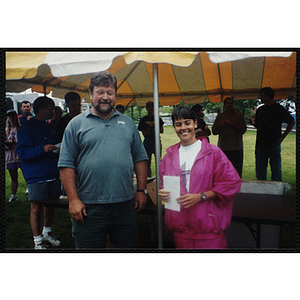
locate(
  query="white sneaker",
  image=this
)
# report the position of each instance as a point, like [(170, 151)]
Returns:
[(13, 199), (40, 246), (50, 238)]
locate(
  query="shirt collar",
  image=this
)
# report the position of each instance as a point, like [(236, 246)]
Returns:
[(89, 113)]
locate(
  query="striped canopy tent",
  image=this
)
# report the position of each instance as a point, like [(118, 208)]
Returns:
[(212, 75), (188, 76)]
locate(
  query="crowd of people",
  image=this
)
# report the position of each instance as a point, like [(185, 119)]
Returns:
[(92, 156)]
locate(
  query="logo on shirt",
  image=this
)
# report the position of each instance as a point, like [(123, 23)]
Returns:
[(185, 173)]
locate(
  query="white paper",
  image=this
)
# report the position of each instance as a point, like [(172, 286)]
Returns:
[(172, 184), (58, 148)]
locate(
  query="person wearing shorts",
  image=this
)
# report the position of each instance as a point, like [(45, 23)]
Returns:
[(35, 147)]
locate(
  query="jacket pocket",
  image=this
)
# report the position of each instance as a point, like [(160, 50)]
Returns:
[(215, 214), (176, 221), (205, 219)]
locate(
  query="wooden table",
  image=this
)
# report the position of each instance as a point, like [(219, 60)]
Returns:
[(248, 208)]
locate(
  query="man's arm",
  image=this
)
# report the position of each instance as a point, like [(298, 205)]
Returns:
[(218, 123), (241, 126), (141, 175), (287, 130), (76, 207), (207, 131), (161, 125)]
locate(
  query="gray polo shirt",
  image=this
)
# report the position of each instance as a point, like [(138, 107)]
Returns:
[(103, 154)]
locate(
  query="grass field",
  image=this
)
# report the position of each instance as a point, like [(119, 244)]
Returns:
[(18, 234)]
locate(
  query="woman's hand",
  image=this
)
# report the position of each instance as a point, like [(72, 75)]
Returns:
[(8, 142), (189, 200), (164, 195)]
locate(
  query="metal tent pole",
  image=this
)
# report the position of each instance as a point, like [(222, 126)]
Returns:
[(45, 89), (157, 151), (220, 80)]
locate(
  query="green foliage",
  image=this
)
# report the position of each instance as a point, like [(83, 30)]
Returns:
[(19, 104), (65, 109), (246, 107), (135, 112), (8, 103), (211, 107)]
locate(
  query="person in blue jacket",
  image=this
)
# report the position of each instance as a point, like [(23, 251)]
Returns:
[(36, 148)]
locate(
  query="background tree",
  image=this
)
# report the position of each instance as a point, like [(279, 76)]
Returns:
[(8, 104), (247, 107)]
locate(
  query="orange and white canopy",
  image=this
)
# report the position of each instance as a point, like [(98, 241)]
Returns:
[(188, 76)]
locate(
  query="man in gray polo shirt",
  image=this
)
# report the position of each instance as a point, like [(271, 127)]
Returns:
[(100, 150)]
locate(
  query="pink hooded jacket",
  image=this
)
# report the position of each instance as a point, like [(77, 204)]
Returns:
[(211, 171)]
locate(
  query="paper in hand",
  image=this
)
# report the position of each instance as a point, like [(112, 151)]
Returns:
[(58, 148), (172, 184)]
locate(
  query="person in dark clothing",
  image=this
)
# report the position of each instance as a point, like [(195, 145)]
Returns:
[(268, 121), (146, 126), (120, 108), (56, 116), (202, 129), (73, 102), (230, 125)]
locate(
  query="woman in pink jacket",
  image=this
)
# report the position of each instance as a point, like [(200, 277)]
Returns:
[(208, 183)]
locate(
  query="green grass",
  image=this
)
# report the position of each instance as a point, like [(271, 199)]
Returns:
[(18, 232)]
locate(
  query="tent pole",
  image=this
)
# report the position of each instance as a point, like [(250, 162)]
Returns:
[(157, 151), (221, 88)]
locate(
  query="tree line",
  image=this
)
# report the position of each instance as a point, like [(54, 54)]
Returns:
[(247, 107)]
